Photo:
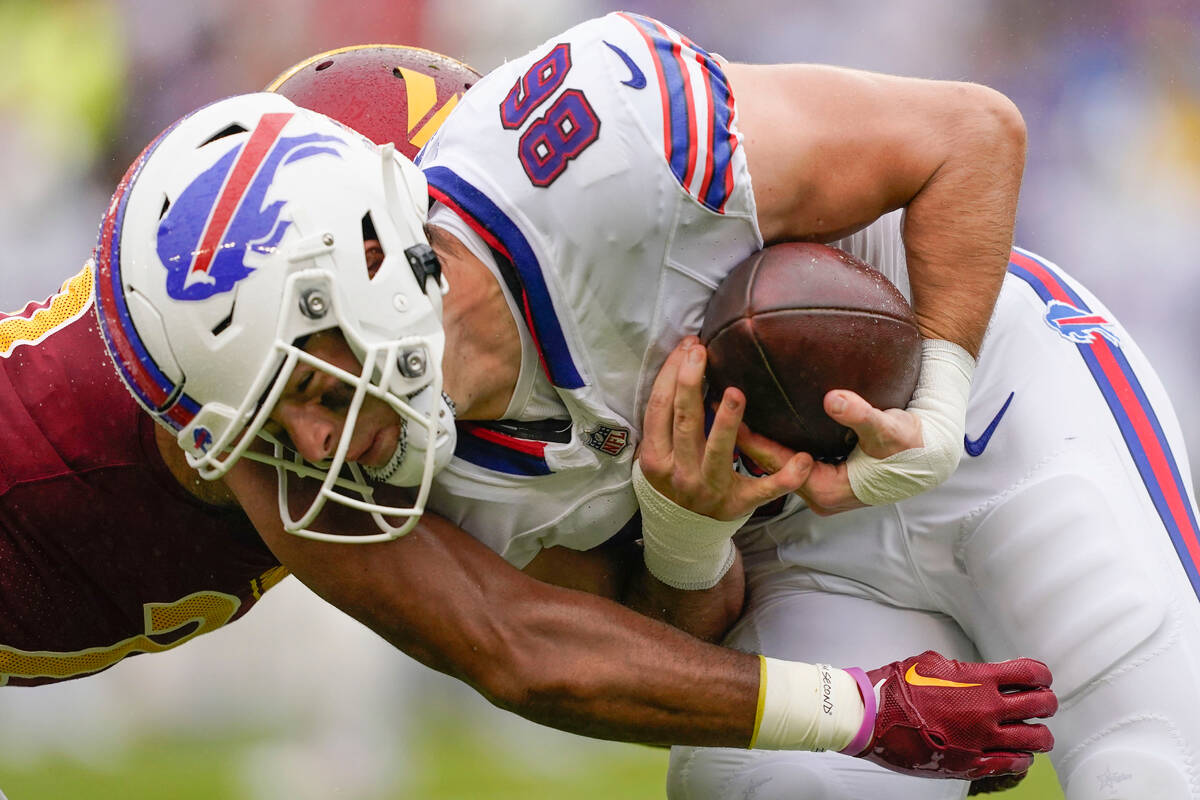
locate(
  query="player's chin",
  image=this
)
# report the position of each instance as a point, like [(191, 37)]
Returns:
[(380, 450)]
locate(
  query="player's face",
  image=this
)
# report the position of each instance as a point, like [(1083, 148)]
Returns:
[(311, 412)]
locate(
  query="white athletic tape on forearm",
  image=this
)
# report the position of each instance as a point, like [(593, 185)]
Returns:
[(683, 549), (806, 707), (940, 402)]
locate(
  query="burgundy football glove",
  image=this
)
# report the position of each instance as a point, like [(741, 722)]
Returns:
[(939, 718), (996, 783)]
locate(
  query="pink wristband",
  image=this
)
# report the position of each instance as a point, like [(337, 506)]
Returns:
[(863, 738)]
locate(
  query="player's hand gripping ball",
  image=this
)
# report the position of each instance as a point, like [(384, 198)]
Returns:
[(941, 718), (796, 320)]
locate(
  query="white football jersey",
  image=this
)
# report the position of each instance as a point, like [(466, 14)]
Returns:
[(602, 178), (605, 174)]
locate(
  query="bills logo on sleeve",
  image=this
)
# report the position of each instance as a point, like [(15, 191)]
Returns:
[(1077, 325), (222, 215)]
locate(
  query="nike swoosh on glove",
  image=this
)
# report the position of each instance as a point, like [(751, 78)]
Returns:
[(940, 718)]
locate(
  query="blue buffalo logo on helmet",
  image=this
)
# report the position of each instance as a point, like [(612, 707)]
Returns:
[(202, 439), (222, 214)]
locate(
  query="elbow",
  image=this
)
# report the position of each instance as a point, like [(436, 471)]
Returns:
[(1000, 129), (534, 682), (523, 662), (1007, 123)]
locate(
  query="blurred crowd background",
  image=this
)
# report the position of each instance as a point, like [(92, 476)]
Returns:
[(1110, 90)]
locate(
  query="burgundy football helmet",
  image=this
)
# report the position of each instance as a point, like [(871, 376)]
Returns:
[(388, 93)]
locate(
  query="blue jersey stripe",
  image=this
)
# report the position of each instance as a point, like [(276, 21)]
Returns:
[(679, 119), (683, 119), (716, 193), (494, 225), (497, 457)]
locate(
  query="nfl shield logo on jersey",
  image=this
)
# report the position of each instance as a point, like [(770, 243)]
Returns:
[(608, 440)]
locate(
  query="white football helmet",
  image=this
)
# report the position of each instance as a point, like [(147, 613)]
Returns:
[(237, 233)]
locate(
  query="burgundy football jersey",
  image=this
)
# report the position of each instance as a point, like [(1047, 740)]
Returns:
[(103, 554)]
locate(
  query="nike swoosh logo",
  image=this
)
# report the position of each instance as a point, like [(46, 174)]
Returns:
[(637, 79), (976, 447), (915, 678)]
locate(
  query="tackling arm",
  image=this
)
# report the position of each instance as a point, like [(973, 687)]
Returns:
[(583, 664), (557, 656)]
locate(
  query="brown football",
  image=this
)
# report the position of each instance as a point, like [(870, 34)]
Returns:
[(796, 320)]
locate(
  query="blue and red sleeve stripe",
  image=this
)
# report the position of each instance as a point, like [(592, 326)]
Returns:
[(1133, 412), (693, 131)]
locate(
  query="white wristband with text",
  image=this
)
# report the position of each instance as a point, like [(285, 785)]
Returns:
[(806, 707), (940, 401), (683, 549)]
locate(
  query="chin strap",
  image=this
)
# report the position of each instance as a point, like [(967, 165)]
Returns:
[(407, 465)]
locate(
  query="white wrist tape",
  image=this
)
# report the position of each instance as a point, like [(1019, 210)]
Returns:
[(806, 707), (683, 549), (940, 401)]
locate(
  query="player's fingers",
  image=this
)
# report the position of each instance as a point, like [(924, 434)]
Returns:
[(722, 437), (766, 453), (1022, 673), (827, 490), (658, 421), (1029, 737), (992, 764), (881, 433), (688, 413), (1031, 704), (786, 480)]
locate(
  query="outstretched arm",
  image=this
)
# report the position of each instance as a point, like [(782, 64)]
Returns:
[(557, 656), (584, 664)]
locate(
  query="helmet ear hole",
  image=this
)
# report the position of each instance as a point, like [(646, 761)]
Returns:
[(221, 134), (373, 250), (220, 327)]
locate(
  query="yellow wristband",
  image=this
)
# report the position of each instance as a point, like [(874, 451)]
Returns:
[(762, 697)]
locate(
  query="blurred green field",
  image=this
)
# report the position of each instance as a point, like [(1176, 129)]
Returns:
[(449, 763)]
